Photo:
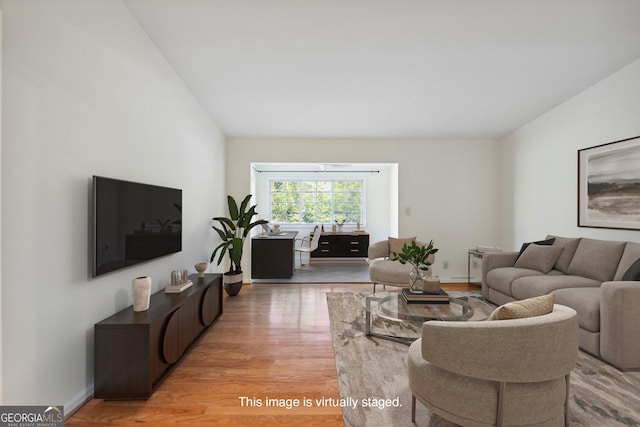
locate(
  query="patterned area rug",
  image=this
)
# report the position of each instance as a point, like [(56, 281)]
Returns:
[(372, 375)]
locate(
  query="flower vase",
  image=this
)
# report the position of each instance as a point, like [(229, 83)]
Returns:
[(141, 289), (416, 281)]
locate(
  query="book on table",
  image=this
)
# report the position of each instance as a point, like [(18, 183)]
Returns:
[(414, 298)]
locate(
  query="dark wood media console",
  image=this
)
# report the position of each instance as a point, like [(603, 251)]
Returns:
[(134, 351)]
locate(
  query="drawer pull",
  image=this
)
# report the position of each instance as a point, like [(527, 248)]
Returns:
[(355, 250), (324, 250), (355, 243), (324, 243)]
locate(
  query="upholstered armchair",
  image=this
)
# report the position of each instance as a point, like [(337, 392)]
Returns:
[(496, 372), (383, 270)]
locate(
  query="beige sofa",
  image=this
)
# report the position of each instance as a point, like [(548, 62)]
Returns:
[(584, 274)]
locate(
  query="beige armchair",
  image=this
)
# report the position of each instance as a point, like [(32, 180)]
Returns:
[(497, 372), (384, 271)]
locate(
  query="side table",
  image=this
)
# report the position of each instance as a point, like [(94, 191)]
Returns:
[(475, 254)]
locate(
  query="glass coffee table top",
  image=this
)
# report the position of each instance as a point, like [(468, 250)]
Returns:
[(392, 306)]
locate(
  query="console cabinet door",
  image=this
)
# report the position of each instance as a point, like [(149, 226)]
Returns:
[(210, 306), (171, 339)]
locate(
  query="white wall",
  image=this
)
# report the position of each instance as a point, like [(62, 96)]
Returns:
[(451, 187), (86, 92), (539, 160)]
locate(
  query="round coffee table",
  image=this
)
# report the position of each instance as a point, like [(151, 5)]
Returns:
[(393, 307)]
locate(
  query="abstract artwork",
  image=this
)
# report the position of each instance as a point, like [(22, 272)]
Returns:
[(609, 185)]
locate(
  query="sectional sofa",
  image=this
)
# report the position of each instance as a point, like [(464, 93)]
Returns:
[(597, 278)]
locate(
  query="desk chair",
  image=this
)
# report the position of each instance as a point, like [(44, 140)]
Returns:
[(308, 245)]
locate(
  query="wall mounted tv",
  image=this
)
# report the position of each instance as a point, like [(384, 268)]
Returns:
[(133, 222)]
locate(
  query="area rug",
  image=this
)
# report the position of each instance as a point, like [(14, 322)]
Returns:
[(374, 390)]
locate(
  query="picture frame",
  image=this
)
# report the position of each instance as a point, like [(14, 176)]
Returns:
[(609, 185)]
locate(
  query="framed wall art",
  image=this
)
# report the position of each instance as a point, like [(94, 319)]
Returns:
[(609, 185)]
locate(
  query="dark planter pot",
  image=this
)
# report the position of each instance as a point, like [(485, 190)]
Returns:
[(232, 283)]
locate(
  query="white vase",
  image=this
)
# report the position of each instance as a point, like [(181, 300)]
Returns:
[(141, 289)]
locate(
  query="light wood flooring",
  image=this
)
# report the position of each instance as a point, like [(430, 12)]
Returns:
[(272, 341)]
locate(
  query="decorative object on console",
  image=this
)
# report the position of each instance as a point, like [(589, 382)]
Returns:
[(201, 267), (141, 289), (179, 282), (418, 257), (233, 233), (608, 184)]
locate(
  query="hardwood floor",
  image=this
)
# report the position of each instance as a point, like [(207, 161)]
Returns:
[(273, 341)]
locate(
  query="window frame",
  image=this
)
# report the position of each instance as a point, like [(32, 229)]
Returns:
[(362, 201)]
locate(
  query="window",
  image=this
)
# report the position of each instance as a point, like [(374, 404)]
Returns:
[(317, 201)]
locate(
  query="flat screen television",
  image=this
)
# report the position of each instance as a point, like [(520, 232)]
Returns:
[(133, 222)]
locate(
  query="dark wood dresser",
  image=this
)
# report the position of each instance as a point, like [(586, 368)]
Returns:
[(342, 245)]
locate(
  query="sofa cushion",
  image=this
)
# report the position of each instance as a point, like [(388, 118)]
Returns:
[(569, 245), (629, 256), (528, 287), (585, 301), (633, 273), (500, 279), (395, 245), (530, 307), (539, 242), (596, 259), (539, 257)]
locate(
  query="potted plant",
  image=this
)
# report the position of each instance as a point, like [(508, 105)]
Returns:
[(418, 257), (233, 231)]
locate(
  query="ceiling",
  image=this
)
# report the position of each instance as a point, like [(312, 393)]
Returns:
[(388, 68)]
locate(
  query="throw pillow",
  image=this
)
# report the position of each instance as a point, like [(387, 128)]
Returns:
[(539, 257), (633, 272), (395, 245), (547, 242), (570, 245), (596, 259), (530, 307)]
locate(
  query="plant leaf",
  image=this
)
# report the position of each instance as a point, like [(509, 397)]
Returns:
[(233, 208)]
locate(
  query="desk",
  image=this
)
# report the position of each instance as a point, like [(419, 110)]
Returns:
[(272, 256)]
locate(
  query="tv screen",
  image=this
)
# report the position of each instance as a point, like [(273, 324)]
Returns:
[(133, 222)]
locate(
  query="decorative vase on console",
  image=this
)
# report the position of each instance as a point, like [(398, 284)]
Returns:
[(141, 289), (201, 267)]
